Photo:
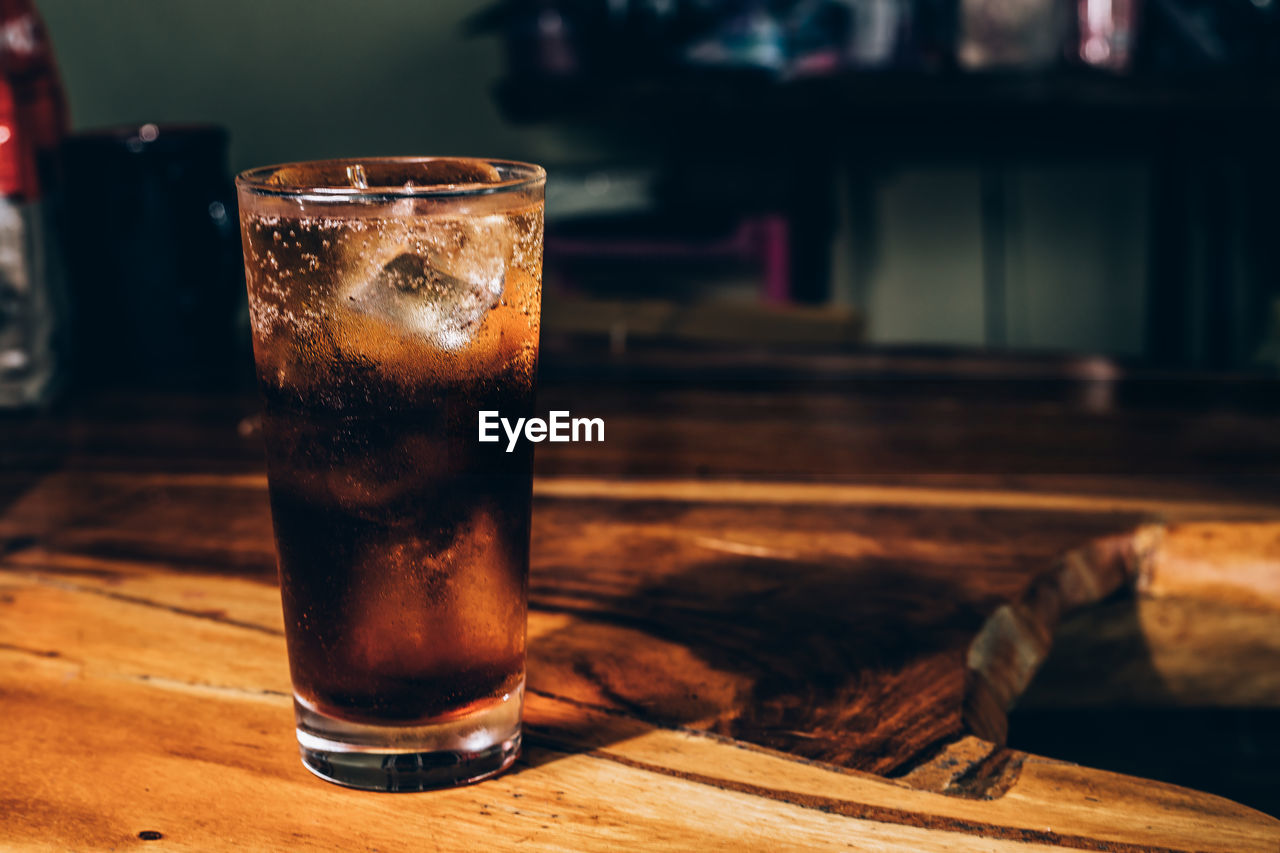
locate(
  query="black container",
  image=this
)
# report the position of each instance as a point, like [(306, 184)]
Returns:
[(153, 258)]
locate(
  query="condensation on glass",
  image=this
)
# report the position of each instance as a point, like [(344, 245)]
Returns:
[(392, 300)]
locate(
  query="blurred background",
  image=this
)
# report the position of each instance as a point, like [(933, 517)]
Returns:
[(1089, 176)]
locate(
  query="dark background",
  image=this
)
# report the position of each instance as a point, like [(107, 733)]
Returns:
[(1043, 205)]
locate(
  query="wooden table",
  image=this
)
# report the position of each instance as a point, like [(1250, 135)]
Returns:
[(785, 606)]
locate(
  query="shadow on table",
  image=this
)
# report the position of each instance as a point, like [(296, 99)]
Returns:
[(856, 662), (25, 459), (861, 664)]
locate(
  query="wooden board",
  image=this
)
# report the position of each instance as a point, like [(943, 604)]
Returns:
[(753, 655), (1208, 593), (162, 700)]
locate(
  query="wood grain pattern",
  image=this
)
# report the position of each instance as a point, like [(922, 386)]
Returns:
[(812, 647), (835, 632), (1234, 564), (184, 711)]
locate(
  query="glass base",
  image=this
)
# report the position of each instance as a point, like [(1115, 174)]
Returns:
[(411, 758)]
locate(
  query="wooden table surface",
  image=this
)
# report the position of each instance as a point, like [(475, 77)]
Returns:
[(786, 605)]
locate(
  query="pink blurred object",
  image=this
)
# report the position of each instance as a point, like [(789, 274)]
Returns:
[(763, 240), (1108, 29)]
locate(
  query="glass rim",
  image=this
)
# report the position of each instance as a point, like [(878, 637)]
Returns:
[(256, 180)]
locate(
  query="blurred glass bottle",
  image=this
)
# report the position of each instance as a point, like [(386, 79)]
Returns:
[(33, 120), (156, 278), (1107, 30)]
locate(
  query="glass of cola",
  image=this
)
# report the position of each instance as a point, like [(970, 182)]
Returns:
[(392, 300)]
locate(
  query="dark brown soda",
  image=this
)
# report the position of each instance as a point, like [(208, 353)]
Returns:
[(403, 548), (403, 540)]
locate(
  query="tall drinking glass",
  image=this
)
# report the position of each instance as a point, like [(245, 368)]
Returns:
[(392, 299)]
